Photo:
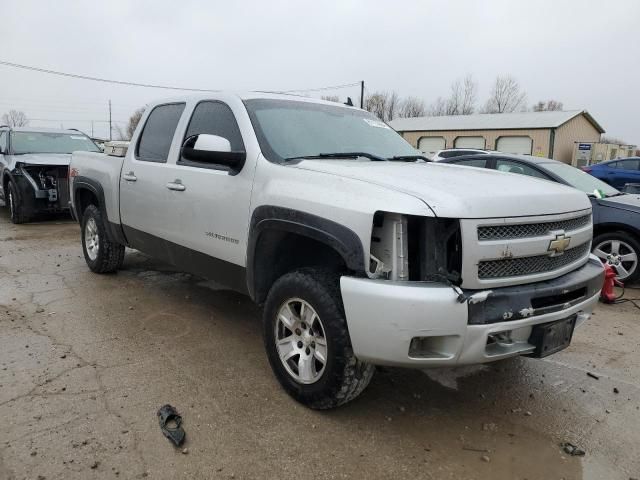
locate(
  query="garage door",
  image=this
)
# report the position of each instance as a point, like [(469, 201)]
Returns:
[(469, 142), (430, 145), (517, 145)]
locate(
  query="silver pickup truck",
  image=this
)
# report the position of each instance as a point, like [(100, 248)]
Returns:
[(360, 251)]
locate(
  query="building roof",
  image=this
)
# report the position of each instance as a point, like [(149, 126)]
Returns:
[(490, 121)]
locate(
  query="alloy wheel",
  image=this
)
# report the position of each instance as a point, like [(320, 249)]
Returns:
[(620, 255), (91, 239), (300, 341)]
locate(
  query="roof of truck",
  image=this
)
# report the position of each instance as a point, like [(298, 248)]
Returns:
[(247, 96)]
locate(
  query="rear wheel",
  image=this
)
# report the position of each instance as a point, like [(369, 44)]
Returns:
[(621, 251), (307, 341), (16, 210), (101, 254)]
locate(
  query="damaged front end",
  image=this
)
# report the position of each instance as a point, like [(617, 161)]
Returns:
[(43, 188)]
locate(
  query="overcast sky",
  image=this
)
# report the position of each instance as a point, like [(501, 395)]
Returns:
[(583, 53)]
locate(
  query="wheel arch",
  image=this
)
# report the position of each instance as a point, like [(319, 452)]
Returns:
[(608, 227), (87, 191), (283, 239)]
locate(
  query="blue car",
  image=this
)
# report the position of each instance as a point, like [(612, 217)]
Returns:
[(617, 173)]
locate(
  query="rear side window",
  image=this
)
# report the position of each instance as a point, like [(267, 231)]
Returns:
[(629, 164), (157, 135), (3, 142), (473, 162), (215, 118)]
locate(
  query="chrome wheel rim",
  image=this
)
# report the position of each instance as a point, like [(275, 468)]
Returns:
[(91, 239), (11, 207), (620, 255), (300, 340)]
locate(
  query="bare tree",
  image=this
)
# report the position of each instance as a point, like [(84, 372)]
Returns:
[(614, 140), (134, 119), (330, 98), (383, 105), (412, 107), (549, 105), (463, 97), (15, 118), (506, 96), (437, 108)]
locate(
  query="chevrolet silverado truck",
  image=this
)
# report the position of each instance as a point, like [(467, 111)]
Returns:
[(360, 251), (34, 166)]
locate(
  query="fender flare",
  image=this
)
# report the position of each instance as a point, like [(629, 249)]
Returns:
[(338, 237), (114, 230)]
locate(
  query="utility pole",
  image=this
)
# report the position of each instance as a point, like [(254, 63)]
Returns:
[(91, 128), (109, 119), (362, 94)]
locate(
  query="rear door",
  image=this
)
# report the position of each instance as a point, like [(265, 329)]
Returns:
[(145, 202)]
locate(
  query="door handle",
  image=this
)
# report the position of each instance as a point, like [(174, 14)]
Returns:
[(176, 185), (129, 177)]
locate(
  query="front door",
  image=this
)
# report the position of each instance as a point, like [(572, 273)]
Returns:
[(211, 205)]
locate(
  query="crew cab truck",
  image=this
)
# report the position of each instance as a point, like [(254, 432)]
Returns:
[(360, 252), (33, 169)]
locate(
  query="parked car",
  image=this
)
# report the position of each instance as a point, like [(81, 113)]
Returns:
[(457, 152), (34, 166), (359, 254), (616, 216), (617, 173)]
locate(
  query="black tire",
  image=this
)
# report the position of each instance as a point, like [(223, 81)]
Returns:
[(631, 242), (344, 376), (109, 255), (14, 203)]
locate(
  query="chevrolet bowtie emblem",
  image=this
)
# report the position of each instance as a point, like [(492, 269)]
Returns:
[(559, 245)]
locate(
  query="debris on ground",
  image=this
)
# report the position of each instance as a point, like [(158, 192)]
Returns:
[(615, 390), (593, 375), (485, 458), (572, 450), (171, 424), (489, 427)]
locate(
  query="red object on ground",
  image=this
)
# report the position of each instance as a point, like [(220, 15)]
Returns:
[(608, 294)]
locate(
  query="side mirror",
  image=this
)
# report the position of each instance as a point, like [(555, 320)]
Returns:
[(207, 148)]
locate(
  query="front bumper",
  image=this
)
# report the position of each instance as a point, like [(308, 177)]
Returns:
[(418, 325)]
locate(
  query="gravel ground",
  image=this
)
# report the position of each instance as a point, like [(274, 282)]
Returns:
[(86, 361)]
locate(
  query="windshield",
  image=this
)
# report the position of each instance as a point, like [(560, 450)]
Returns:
[(40, 142), (291, 129), (579, 179)]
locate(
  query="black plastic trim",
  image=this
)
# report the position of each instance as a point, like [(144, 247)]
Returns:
[(114, 230), (188, 260), (515, 303), (340, 238)]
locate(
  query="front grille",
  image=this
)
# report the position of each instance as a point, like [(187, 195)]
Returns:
[(517, 267), (528, 230)]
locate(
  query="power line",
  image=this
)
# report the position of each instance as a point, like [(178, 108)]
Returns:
[(98, 79)]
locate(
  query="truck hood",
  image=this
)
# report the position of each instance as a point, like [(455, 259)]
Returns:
[(460, 192), (62, 159)]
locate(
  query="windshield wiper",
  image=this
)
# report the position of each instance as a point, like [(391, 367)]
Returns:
[(408, 158), (370, 156)]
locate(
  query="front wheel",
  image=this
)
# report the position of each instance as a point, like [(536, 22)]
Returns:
[(621, 251), (307, 341), (101, 254), (16, 210)]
